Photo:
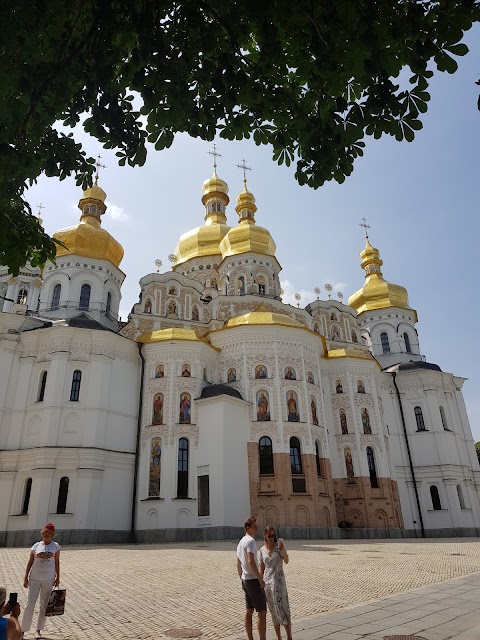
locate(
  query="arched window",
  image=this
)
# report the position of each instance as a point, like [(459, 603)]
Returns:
[(84, 297), (57, 291), (26, 495), (265, 452), (41, 387), (385, 342), (295, 456), (75, 390), (22, 296), (155, 467), (62, 495), (419, 418), (182, 473), (261, 285), (372, 468), (406, 339), (319, 460), (460, 497), (108, 306), (436, 504), (444, 418)]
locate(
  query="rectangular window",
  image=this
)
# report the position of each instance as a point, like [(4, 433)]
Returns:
[(299, 485), (203, 495)]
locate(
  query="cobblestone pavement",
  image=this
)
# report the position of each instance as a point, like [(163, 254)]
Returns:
[(127, 592)]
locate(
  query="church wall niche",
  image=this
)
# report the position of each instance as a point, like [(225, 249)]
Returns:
[(361, 499), (70, 434)]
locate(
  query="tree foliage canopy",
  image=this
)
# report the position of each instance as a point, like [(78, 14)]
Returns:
[(311, 78)]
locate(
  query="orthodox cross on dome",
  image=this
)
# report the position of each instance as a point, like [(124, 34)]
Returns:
[(245, 169), (39, 212), (99, 166), (365, 227), (215, 155)]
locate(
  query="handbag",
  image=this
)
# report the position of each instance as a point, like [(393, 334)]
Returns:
[(56, 603)]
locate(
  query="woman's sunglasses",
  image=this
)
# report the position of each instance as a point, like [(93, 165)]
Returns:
[(270, 535)]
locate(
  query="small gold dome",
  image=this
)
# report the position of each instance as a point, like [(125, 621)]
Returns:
[(262, 315), (377, 293), (88, 239), (214, 185), (247, 236)]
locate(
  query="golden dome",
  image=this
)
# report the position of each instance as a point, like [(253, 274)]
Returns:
[(88, 239), (262, 315), (167, 335), (377, 293), (205, 240), (247, 236)]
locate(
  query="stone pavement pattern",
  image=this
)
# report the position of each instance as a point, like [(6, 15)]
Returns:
[(126, 592)]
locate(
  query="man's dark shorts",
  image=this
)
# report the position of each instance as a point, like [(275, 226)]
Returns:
[(254, 595)]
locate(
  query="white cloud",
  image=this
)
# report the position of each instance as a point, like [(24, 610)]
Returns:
[(115, 212), (308, 295)]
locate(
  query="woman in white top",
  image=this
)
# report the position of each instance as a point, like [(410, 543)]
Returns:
[(41, 575), (272, 557)]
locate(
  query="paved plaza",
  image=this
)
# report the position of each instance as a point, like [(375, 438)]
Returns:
[(144, 591)]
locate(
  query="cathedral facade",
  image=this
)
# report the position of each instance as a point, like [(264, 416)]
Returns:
[(216, 400)]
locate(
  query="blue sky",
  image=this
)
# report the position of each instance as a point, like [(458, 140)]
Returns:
[(421, 200)]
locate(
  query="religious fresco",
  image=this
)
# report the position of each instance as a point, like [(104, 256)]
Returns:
[(172, 308), (316, 328), (367, 428), (263, 406), (148, 306), (290, 374), (155, 465), (338, 386), (185, 406), (159, 371), (186, 371), (343, 421), (310, 378), (333, 317), (261, 285), (261, 371), (349, 465), (195, 315), (292, 407), (313, 408), (335, 333), (241, 286), (354, 336), (360, 386), (157, 417), (231, 375), (172, 291)]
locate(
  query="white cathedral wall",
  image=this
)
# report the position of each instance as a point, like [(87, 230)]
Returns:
[(224, 429)]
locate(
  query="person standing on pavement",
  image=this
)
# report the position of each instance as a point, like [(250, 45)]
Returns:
[(252, 581), (272, 556), (9, 627), (41, 575)]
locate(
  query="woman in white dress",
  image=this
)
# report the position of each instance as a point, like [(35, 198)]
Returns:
[(272, 556)]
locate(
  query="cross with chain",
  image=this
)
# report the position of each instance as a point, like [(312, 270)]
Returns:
[(215, 155), (40, 207), (365, 226), (99, 165), (245, 168)]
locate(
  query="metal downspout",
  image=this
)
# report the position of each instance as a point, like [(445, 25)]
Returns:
[(133, 537), (415, 488)]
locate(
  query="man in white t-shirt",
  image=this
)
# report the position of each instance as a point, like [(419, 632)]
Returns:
[(252, 581)]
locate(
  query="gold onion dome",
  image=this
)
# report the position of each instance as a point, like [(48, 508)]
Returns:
[(377, 293), (262, 315), (88, 239), (205, 240), (247, 236)]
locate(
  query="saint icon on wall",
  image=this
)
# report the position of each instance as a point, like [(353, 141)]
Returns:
[(195, 315), (159, 371), (260, 371), (231, 375), (366, 421), (313, 407), (155, 460), (185, 404), (292, 407), (354, 336), (172, 308), (186, 373), (349, 466), (148, 306), (172, 291), (290, 374), (157, 417), (263, 411), (261, 285), (338, 386), (343, 421), (360, 387), (310, 378)]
